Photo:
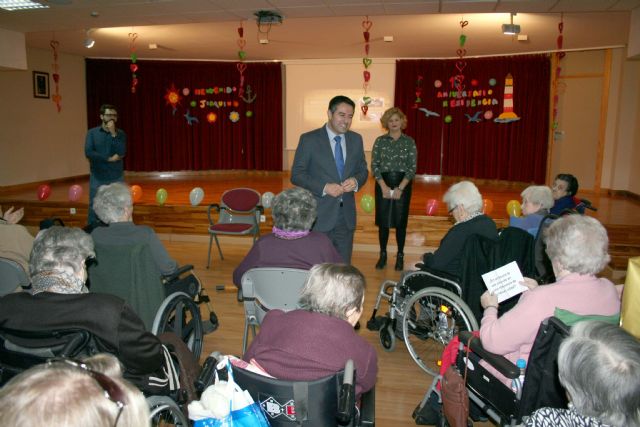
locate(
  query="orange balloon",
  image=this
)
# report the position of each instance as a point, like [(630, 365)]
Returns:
[(136, 193), (487, 206)]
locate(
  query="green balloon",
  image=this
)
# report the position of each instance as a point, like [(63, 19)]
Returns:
[(161, 196), (367, 203)]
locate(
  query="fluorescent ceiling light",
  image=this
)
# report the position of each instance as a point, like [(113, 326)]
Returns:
[(21, 5)]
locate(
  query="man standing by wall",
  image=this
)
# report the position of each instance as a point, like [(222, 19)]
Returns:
[(330, 163), (105, 147)]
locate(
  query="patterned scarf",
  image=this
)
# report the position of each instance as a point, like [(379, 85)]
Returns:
[(289, 235), (59, 282)]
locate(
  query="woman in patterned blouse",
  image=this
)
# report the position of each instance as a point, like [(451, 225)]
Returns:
[(393, 164)]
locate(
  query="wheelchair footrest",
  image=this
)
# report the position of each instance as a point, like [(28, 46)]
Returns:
[(376, 323)]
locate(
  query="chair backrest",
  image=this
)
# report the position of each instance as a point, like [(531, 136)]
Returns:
[(12, 275), (129, 272), (481, 255), (541, 386), (293, 403), (269, 288), (240, 206), (20, 350), (544, 270)]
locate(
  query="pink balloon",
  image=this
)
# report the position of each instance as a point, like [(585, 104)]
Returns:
[(75, 191), (432, 207), (44, 191)]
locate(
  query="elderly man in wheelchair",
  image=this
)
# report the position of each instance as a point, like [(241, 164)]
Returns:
[(578, 249), (59, 301)]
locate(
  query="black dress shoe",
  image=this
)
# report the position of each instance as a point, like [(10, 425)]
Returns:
[(382, 261), (399, 261)]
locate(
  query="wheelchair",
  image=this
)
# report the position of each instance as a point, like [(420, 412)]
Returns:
[(20, 350), (428, 307), (504, 405), (325, 402)]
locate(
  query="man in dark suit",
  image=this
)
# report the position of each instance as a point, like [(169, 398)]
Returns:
[(330, 163)]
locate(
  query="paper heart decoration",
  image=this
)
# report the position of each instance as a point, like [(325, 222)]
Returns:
[(365, 86), (367, 25), (464, 23), (460, 65), (367, 62), (366, 35), (367, 75), (56, 77), (240, 31), (242, 43), (364, 109), (241, 67), (366, 49), (461, 52), (134, 57), (133, 67), (56, 97), (242, 54), (366, 100), (134, 82)]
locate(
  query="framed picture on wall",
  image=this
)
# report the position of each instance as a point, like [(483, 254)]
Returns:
[(40, 84)]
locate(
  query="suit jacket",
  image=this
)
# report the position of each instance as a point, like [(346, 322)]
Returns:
[(314, 166)]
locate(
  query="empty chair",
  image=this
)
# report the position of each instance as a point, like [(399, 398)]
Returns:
[(12, 276), (238, 215), (269, 288)]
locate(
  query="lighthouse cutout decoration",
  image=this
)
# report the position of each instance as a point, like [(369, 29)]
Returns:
[(507, 115)]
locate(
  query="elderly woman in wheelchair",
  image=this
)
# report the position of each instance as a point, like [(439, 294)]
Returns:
[(59, 300), (536, 202), (73, 394), (316, 340), (465, 205), (578, 249), (599, 367)]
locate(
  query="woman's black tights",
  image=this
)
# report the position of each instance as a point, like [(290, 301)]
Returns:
[(383, 237)]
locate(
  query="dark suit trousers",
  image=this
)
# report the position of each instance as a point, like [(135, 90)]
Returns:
[(342, 237)]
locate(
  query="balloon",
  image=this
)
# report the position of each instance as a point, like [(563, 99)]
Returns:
[(267, 199), (75, 191), (432, 207), (136, 193), (367, 203), (514, 208), (44, 191), (448, 119), (487, 206), (161, 196), (196, 195)]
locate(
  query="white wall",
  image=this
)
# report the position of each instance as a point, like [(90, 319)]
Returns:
[(36, 142)]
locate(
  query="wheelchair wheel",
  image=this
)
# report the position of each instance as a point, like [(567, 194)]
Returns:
[(181, 315), (433, 316), (164, 411), (387, 336)]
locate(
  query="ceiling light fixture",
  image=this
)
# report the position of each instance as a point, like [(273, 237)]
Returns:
[(21, 5), (88, 40), (511, 28)]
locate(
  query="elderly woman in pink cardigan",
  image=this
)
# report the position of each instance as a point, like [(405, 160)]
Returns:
[(578, 248)]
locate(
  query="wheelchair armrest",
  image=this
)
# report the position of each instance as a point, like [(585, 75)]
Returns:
[(347, 397), (173, 276), (500, 363), (207, 374), (368, 408)]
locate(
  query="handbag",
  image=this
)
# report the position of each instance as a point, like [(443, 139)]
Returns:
[(455, 398), (238, 407)]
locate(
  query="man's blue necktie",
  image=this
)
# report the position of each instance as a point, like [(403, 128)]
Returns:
[(339, 156)]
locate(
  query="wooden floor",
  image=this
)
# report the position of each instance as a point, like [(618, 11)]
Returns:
[(401, 384)]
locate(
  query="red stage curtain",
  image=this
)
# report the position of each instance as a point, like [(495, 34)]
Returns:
[(160, 139), (515, 151)]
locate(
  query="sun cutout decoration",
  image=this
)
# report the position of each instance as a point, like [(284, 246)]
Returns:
[(172, 97)]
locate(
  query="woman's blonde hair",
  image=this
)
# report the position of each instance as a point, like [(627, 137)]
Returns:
[(384, 120)]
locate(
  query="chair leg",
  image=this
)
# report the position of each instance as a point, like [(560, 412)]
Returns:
[(219, 249), (209, 253), (245, 336)]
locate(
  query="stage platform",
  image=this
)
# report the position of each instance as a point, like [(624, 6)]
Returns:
[(178, 220)]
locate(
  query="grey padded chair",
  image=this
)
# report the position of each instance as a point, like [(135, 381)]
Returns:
[(269, 288), (12, 275)]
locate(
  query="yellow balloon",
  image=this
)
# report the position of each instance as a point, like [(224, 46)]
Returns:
[(514, 208)]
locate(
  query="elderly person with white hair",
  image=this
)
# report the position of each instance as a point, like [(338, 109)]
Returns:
[(59, 299), (73, 394), (292, 244), (316, 340), (465, 204), (578, 249), (536, 202), (114, 206), (599, 366)]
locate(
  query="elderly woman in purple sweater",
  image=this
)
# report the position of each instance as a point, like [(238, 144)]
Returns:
[(316, 340)]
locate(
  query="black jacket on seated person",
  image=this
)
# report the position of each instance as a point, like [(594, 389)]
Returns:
[(117, 329), (447, 257)]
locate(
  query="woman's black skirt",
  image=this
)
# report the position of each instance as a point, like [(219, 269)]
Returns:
[(393, 213)]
